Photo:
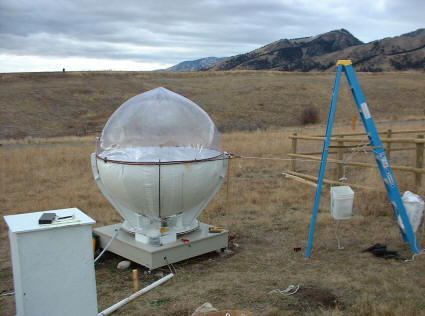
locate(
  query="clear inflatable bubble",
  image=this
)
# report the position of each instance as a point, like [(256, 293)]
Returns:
[(160, 162), (159, 126)]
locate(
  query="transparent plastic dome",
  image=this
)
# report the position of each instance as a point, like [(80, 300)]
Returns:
[(159, 126)]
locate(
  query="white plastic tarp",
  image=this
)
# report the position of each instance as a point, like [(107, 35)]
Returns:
[(414, 205)]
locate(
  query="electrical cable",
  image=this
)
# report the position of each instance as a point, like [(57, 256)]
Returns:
[(336, 235), (7, 294), (355, 151), (169, 266), (414, 255), (175, 270), (290, 290), (108, 244)]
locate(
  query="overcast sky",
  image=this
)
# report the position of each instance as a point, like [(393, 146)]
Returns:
[(48, 35)]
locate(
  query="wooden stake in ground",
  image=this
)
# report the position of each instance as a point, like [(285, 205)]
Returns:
[(135, 280), (294, 151)]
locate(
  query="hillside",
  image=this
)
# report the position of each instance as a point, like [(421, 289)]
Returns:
[(318, 53), (405, 52), (195, 65), (288, 54), (76, 103)]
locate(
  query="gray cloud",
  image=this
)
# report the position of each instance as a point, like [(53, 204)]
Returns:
[(164, 31)]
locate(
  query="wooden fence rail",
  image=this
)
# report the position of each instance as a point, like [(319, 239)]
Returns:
[(331, 182), (357, 140), (381, 132), (341, 148)]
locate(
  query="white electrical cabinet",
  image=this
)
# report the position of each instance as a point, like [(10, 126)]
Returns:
[(53, 269)]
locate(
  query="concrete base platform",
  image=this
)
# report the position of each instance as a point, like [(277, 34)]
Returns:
[(199, 242)]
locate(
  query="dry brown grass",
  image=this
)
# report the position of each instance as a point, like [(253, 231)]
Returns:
[(267, 216), (57, 104)]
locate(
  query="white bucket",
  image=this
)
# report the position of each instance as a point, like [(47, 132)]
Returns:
[(342, 202)]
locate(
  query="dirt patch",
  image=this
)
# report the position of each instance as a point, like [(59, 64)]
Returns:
[(180, 312), (312, 298)]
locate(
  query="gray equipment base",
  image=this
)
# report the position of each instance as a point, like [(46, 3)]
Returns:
[(199, 242)]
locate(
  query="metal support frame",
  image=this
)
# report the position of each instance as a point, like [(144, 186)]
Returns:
[(378, 150)]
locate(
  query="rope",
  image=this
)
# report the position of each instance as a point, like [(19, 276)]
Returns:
[(275, 158)]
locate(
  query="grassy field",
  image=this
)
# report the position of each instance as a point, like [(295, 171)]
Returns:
[(63, 104), (267, 216)]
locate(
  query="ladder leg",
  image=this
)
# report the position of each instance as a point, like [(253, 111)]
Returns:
[(324, 160), (382, 160)]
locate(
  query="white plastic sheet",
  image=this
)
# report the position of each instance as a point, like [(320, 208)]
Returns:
[(162, 191), (414, 205)]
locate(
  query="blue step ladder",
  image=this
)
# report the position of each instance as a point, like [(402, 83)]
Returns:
[(378, 150)]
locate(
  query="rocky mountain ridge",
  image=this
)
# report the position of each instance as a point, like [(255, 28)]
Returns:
[(320, 53), (195, 65)]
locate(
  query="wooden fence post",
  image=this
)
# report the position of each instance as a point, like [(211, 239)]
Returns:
[(419, 163), (340, 156), (294, 151), (353, 122), (388, 145)]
